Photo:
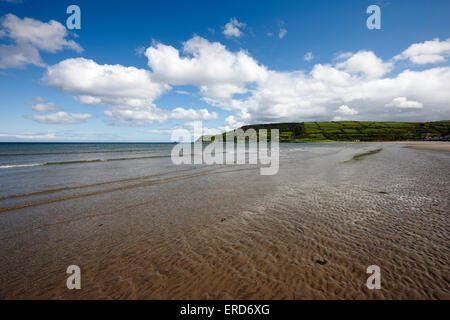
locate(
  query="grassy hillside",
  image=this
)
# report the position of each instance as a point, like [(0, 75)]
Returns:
[(356, 130)]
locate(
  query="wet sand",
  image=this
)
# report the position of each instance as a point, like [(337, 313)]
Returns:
[(426, 145), (225, 232)]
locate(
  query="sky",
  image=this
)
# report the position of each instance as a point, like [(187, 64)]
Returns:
[(138, 70)]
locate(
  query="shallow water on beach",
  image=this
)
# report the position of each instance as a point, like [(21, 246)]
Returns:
[(140, 227)]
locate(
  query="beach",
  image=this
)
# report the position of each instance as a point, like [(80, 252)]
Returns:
[(140, 227), (427, 145)]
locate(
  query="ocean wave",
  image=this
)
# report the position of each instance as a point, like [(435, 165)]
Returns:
[(12, 166), (76, 152)]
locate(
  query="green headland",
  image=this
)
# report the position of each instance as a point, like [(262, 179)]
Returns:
[(353, 131)]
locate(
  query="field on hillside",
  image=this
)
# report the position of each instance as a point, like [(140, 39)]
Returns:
[(355, 131)]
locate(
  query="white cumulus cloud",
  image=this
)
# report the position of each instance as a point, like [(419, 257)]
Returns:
[(150, 114), (28, 36), (346, 110), (104, 84), (49, 37), (315, 96), (61, 117), (433, 51), (231, 29), (217, 71), (181, 113), (308, 56), (44, 107), (18, 56), (403, 103), (367, 63), (128, 92)]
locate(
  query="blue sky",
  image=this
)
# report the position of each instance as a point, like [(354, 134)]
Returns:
[(139, 69)]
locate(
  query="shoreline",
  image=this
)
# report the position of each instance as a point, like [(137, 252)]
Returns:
[(442, 146)]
